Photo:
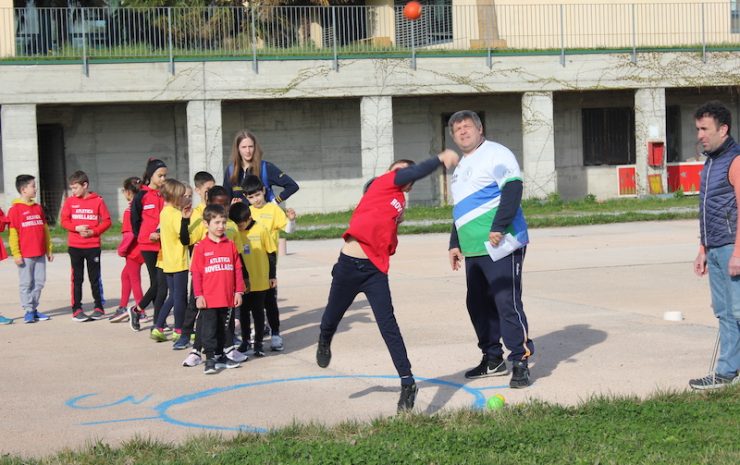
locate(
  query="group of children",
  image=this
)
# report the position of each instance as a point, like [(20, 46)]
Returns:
[(228, 247)]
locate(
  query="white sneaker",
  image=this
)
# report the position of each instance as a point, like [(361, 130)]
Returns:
[(276, 343), (193, 359), (236, 356)]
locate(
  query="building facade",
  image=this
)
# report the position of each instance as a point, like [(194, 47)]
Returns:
[(571, 118)]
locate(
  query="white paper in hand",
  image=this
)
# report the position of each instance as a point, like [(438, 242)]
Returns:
[(505, 247)]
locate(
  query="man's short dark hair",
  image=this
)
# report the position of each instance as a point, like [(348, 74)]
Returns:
[(461, 116), (717, 110), (216, 191), (252, 184), (202, 177), (22, 180), (239, 213), (212, 211), (79, 177)]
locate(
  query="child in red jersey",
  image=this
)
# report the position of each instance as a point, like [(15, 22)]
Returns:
[(363, 264), (218, 286), (85, 217), (129, 249), (30, 244), (145, 210), (3, 256)]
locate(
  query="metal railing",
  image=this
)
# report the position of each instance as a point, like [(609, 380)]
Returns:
[(258, 32)]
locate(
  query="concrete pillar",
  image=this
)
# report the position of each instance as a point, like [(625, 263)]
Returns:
[(7, 29), (20, 145), (205, 141), (538, 144), (376, 134), (649, 127)]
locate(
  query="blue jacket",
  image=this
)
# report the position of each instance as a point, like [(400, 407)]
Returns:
[(270, 175), (717, 202)]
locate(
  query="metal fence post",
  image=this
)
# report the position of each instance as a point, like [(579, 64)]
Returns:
[(489, 59), (255, 68), (169, 38), (334, 36), (634, 34), (562, 36), (85, 67), (413, 46), (703, 37)]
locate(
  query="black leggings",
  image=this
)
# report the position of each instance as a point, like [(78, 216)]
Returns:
[(272, 311), (253, 304), (157, 291)]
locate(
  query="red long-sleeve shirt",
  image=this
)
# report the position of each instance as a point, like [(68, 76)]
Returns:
[(150, 204), (90, 211), (3, 221), (129, 246), (374, 224), (217, 272)]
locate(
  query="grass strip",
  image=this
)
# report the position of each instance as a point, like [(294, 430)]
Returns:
[(669, 427)]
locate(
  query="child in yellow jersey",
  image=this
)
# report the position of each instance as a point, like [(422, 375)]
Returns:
[(195, 229), (203, 182), (173, 257), (260, 257), (274, 219)]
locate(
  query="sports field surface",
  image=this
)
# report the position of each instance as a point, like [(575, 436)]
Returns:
[(595, 297)]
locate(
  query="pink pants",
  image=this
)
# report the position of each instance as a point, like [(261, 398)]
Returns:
[(130, 282)]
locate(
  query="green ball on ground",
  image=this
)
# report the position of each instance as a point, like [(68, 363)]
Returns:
[(495, 402)]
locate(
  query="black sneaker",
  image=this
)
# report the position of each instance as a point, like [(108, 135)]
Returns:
[(97, 314), (210, 367), (121, 314), (259, 351), (323, 353), (79, 316), (488, 367), (244, 347), (133, 318), (714, 381), (520, 375), (224, 362), (408, 397)]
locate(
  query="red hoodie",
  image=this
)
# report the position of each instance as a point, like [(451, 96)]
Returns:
[(374, 224), (29, 235), (151, 205), (217, 272), (90, 211)]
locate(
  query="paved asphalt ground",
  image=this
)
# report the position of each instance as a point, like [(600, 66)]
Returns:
[(595, 298)]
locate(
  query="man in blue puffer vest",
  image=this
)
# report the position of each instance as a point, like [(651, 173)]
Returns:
[(719, 252)]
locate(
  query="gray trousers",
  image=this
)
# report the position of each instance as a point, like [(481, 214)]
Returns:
[(31, 277)]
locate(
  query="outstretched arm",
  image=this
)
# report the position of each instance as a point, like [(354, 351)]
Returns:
[(425, 168)]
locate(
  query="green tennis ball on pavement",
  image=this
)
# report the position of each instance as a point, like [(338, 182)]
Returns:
[(495, 402)]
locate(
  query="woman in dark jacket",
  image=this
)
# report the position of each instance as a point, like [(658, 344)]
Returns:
[(246, 158)]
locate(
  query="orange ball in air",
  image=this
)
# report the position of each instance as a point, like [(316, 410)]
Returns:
[(412, 10)]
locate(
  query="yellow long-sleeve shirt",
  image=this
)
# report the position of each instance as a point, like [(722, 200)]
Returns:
[(173, 256)]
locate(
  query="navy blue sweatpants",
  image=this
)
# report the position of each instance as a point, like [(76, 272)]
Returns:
[(494, 303), (350, 276)]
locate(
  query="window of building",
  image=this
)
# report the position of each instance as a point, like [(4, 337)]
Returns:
[(608, 136), (734, 17)]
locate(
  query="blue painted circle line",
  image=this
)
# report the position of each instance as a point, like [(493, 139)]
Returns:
[(479, 399), (162, 409)]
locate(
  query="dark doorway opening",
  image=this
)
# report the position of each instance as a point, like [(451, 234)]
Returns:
[(52, 170)]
